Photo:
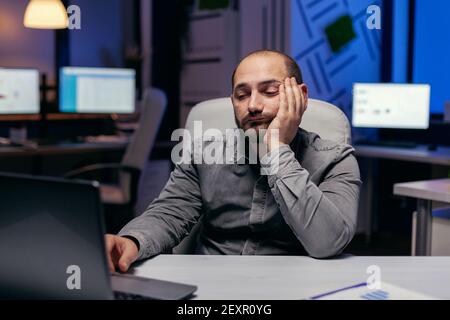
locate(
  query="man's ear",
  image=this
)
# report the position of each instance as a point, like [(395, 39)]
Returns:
[(304, 89)]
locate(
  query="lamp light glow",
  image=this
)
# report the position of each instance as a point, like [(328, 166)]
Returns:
[(46, 14)]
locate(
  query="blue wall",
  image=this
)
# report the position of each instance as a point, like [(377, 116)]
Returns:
[(329, 74), (400, 30), (100, 42), (432, 50)]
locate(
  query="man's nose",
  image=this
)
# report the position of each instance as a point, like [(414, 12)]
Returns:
[(255, 105)]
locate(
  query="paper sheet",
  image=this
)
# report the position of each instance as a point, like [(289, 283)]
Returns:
[(360, 291)]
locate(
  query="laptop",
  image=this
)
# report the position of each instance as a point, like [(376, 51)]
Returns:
[(52, 245)]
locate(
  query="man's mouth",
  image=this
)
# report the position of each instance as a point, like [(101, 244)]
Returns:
[(257, 120)]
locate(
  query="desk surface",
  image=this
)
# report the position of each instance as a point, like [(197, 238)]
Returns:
[(293, 277), (441, 156), (435, 190)]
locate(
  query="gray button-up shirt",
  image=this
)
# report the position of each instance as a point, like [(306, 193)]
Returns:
[(309, 206)]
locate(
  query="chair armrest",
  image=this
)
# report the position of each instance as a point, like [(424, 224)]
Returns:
[(101, 167)]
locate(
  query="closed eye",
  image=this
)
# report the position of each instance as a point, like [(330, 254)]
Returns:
[(241, 96)]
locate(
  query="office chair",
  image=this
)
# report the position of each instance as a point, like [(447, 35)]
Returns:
[(321, 117), (119, 198)]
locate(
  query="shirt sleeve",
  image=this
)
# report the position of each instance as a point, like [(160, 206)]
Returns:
[(171, 216), (322, 217)]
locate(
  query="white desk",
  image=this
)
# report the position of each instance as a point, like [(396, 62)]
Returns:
[(425, 192), (293, 277), (420, 154)]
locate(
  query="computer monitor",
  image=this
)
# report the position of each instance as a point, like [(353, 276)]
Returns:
[(19, 93), (390, 105), (97, 90)]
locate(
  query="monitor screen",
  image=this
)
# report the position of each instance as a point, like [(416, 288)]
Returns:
[(97, 90), (390, 105), (19, 92)]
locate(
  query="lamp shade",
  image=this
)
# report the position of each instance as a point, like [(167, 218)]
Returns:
[(46, 14)]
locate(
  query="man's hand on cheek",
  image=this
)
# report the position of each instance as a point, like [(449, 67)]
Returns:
[(284, 126)]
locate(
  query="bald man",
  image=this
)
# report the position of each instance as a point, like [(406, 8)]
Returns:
[(308, 206)]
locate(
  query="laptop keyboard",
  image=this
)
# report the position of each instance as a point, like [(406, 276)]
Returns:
[(132, 287), (128, 296)]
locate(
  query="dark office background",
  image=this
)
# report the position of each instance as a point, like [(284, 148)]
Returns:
[(111, 37)]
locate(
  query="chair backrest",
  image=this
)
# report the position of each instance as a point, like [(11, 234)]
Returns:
[(138, 150), (152, 111), (321, 117)]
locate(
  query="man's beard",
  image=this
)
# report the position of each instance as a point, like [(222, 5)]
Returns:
[(255, 125), (253, 149)]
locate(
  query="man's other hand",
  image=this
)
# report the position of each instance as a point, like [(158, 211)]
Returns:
[(121, 252)]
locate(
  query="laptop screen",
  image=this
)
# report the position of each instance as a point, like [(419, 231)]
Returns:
[(52, 244)]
